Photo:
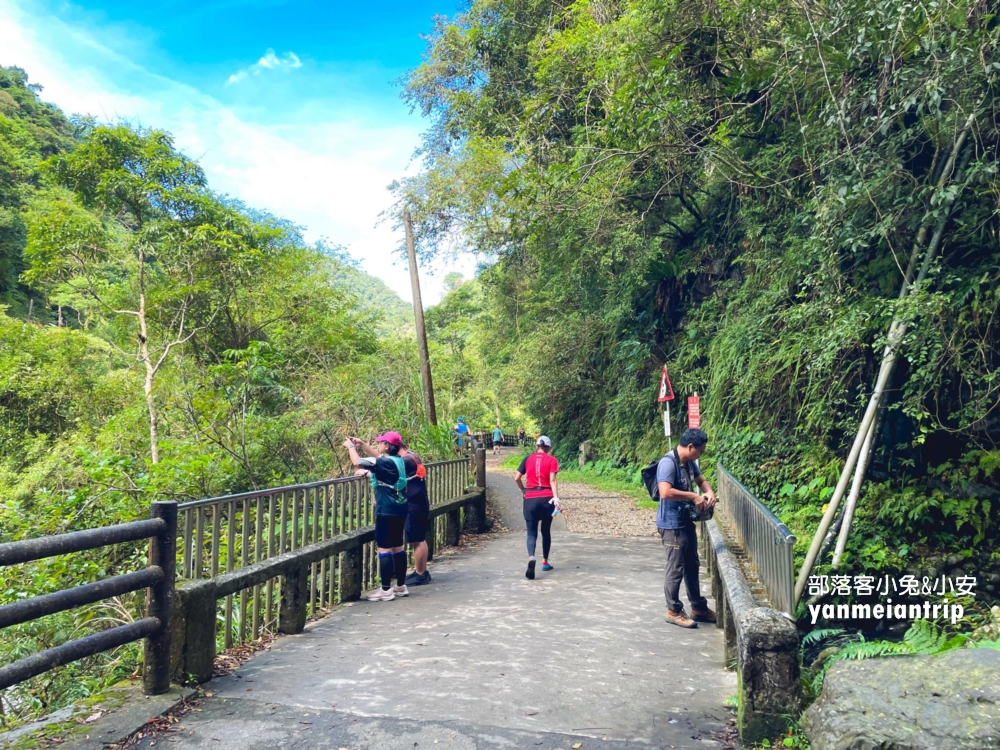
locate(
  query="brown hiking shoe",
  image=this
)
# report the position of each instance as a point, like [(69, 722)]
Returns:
[(680, 619), (702, 615)]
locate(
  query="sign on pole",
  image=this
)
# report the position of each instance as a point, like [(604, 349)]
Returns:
[(666, 396), (694, 412), (666, 390)]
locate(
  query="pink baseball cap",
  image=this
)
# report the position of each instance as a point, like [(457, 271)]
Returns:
[(391, 437)]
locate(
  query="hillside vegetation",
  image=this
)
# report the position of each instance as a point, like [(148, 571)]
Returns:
[(736, 188), (158, 341)]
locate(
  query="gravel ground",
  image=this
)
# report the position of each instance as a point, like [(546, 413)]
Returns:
[(592, 511)]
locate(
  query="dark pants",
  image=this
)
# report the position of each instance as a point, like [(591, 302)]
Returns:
[(681, 546), (539, 511)]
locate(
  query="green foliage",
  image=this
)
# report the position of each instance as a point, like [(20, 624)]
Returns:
[(30, 131), (734, 190), (155, 302), (922, 638), (372, 296)]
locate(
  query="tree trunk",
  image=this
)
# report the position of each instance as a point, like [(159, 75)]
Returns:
[(154, 436)]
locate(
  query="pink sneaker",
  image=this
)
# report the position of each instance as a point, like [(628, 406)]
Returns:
[(401, 591), (381, 595)]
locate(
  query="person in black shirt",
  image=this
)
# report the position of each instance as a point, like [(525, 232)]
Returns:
[(417, 517)]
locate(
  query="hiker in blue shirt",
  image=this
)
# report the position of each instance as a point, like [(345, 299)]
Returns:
[(497, 439), (676, 477), (462, 429), (387, 472)]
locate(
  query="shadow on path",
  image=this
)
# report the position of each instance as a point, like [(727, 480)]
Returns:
[(484, 658)]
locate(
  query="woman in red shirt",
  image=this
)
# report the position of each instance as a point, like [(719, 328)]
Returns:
[(540, 499)]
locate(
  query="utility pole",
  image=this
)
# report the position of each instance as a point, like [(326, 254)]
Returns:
[(418, 314)]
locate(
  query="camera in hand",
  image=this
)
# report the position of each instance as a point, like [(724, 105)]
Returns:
[(694, 514)]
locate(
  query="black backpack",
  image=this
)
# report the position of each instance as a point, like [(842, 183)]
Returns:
[(649, 479)]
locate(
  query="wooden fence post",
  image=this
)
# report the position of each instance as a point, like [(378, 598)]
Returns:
[(159, 600)]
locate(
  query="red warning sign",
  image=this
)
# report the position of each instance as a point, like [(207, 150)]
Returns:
[(666, 390), (694, 412)]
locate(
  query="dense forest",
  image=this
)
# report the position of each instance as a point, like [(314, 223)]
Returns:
[(737, 189), (158, 340)]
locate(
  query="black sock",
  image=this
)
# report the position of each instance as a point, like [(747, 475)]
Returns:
[(385, 569), (399, 564), (530, 572)]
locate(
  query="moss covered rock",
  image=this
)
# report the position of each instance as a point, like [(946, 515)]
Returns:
[(951, 700)]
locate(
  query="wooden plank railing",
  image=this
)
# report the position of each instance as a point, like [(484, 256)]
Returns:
[(157, 578), (270, 557), (274, 557)]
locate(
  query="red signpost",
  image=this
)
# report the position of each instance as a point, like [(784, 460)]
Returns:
[(694, 412)]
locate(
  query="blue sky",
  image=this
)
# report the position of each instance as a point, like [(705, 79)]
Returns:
[(289, 106)]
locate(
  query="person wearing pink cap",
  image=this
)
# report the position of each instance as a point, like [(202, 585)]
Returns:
[(388, 477)]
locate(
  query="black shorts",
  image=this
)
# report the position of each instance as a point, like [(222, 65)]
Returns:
[(389, 531), (538, 509), (418, 521)]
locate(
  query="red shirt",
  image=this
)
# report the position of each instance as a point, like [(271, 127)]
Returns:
[(537, 470)]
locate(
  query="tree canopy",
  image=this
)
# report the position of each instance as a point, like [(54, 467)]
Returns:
[(734, 189)]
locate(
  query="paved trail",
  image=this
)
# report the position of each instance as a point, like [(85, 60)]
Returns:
[(484, 658)]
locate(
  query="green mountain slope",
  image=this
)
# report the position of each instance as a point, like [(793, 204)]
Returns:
[(375, 297)]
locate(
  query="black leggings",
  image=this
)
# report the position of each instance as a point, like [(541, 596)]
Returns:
[(535, 510)]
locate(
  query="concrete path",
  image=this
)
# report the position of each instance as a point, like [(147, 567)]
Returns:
[(484, 658)]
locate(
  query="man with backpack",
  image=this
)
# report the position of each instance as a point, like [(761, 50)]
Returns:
[(387, 472), (677, 473)]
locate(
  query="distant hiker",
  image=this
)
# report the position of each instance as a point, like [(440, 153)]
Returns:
[(387, 472), (497, 439), (520, 437), (539, 469), (417, 516), (462, 430), (676, 475)]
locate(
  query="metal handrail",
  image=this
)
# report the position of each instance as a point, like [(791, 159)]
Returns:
[(766, 540), (254, 494)]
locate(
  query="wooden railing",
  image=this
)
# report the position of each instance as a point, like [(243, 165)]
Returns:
[(270, 558), (157, 577), (224, 534)]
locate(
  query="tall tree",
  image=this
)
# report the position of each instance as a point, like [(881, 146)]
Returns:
[(136, 233)]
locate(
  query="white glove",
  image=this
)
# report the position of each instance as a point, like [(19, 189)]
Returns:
[(555, 501)]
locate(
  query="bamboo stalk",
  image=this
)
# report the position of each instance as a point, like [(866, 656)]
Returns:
[(896, 332)]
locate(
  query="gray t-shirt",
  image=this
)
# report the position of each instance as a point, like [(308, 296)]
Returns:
[(670, 470)]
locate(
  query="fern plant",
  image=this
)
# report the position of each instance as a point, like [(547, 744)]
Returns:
[(922, 638)]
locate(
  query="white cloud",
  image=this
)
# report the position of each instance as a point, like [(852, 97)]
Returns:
[(269, 61), (327, 171)]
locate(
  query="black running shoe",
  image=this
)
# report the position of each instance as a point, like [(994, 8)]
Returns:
[(530, 572), (416, 579)]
